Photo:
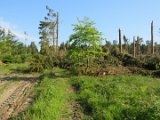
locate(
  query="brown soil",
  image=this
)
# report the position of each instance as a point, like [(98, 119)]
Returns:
[(116, 70), (75, 107), (17, 96), (1, 63), (111, 70), (74, 112)]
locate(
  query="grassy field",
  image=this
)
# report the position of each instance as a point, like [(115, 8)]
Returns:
[(50, 100), (119, 97), (10, 68)]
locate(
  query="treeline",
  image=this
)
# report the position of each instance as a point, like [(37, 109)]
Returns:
[(13, 51), (84, 49)]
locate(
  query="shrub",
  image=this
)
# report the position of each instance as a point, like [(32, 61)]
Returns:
[(129, 60), (37, 64), (7, 58), (156, 74), (152, 63)]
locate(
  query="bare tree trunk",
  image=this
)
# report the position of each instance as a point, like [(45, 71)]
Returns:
[(57, 30), (134, 46), (156, 48), (138, 45), (152, 41), (120, 41), (54, 39)]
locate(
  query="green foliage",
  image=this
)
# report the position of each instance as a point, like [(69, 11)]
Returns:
[(32, 49), (119, 97), (156, 74), (12, 51), (85, 43), (7, 58), (50, 102), (129, 60), (152, 63), (37, 64), (56, 59), (11, 68), (49, 56)]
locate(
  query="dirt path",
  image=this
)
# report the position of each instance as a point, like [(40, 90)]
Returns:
[(8, 91), (16, 96), (76, 113), (2, 83)]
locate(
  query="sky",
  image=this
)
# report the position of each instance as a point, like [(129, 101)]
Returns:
[(132, 16)]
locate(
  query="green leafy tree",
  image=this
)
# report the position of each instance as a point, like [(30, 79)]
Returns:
[(85, 43)]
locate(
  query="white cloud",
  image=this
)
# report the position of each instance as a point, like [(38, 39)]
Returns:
[(13, 28)]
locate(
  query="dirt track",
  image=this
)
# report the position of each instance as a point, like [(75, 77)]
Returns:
[(16, 96)]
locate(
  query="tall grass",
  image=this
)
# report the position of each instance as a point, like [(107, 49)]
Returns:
[(119, 97), (9, 68), (50, 103)]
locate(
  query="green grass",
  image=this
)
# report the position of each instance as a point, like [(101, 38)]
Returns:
[(50, 101), (119, 97), (8, 68), (101, 98)]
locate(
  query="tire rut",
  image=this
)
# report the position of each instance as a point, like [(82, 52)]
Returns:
[(16, 100), (75, 106), (76, 111)]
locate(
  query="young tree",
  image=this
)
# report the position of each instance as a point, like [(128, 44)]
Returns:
[(11, 51), (85, 42), (32, 49)]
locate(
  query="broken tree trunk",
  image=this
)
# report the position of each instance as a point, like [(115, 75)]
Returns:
[(138, 45), (120, 41), (152, 41), (134, 46)]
